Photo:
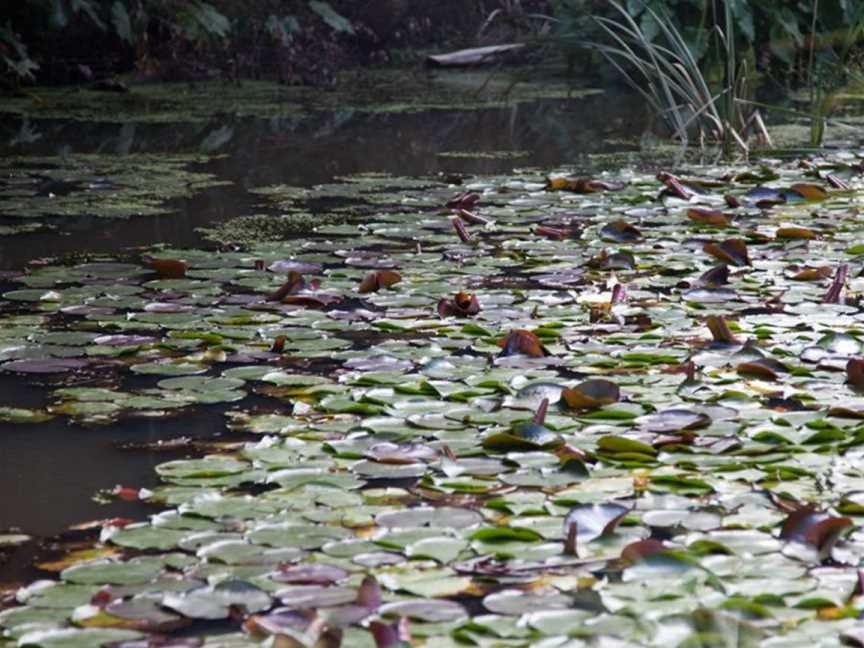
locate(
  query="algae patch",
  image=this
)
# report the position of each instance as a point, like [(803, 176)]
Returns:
[(264, 228)]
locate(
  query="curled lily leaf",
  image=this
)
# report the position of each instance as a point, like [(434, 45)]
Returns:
[(379, 279), (295, 283), (460, 305), (705, 216), (593, 521), (675, 186), (581, 185), (472, 217), (765, 368), (391, 635), (369, 593), (855, 372), (835, 292), (620, 231), (521, 341), (616, 261), (731, 251), (167, 268), (642, 549), (715, 277), (812, 274), (619, 294), (837, 183), (720, 330), (465, 200), (809, 191), (526, 435), (795, 232), (818, 529), (591, 394), (461, 231), (557, 233)]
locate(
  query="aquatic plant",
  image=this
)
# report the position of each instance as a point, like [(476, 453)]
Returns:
[(610, 414), (668, 75)]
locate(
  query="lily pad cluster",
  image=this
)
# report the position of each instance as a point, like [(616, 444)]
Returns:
[(542, 412), (37, 193)]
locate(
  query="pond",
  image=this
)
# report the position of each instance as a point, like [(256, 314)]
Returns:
[(43, 492), (310, 372)]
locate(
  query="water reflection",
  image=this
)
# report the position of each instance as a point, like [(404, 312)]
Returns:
[(255, 152)]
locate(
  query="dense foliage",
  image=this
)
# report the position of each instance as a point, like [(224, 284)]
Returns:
[(778, 35)]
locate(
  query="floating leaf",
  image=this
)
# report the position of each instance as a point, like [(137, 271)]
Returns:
[(855, 372), (620, 231), (461, 305), (835, 292), (795, 232), (314, 574), (215, 602), (731, 251), (815, 528), (591, 394), (705, 216), (520, 341), (428, 610), (464, 200), (766, 368), (168, 268), (809, 191), (581, 185), (673, 420), (526, 435), (812, 274), (375, 281), (720, 330), (592, 521)]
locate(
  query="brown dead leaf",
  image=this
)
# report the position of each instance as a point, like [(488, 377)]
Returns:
[(375, 281)]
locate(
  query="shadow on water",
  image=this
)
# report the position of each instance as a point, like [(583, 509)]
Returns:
[(50, 472)]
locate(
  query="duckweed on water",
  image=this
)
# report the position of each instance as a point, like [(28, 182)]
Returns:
[(553, 417)]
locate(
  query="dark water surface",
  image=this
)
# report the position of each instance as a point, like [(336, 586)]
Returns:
[(50, 472)]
